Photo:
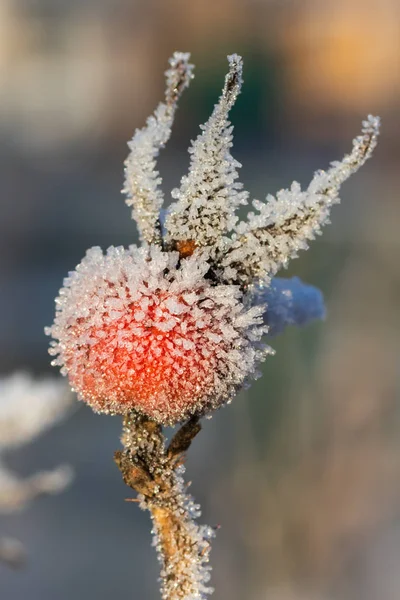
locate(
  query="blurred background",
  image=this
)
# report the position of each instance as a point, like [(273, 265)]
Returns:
[(302, 472)]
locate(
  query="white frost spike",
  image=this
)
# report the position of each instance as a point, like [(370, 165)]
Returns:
[(141, 177), (206, 201), (284, 224)]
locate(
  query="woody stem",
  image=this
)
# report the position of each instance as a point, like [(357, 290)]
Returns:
[(155, 472)]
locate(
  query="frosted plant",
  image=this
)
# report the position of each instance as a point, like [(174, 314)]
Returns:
[(204, 212), (167, 332), (142, 180), (28, 407)]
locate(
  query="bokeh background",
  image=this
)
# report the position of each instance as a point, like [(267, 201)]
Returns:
[(302, 472)]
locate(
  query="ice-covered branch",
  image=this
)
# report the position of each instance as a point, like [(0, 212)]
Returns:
[(155, 472), (142, 180), (285, 224), (204, 211)]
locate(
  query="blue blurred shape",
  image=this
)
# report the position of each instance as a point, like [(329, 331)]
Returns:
[(289, 302)]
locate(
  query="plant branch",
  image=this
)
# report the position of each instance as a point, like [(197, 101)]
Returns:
[(155, 472)]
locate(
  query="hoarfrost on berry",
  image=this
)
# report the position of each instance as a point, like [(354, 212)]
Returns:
[(140, 329)]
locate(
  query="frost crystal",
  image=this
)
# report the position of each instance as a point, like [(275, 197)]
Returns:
[(266, 242), (209, 195), (174, 328), (141, 179), (170, 331), (141, 329)]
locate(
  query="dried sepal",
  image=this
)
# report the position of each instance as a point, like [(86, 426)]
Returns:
[(204, 211), (285, 224), (142, 180)]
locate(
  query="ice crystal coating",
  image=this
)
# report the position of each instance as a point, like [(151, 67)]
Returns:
[(154, 470), (167, 329), (170, 331), (27, 408), (204, 212), (141, 178), (140, 329), (192, 561), (267, 241)]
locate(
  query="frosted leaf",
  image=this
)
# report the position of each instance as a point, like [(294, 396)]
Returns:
[(204, 211), (288, 302), (142, 180), (28, 407), (284, 224)]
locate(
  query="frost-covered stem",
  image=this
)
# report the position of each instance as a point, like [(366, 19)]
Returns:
[(142, 179), (155, 472)]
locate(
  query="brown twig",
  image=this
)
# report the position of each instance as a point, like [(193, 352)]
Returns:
[(155, 472)]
